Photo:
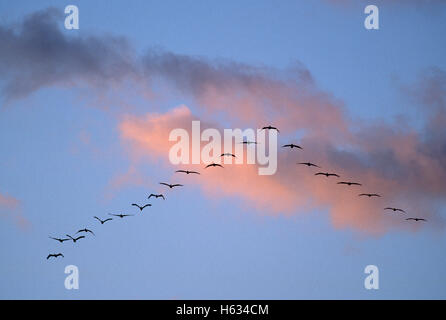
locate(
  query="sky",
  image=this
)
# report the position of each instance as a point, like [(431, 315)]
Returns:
[(85, 117)]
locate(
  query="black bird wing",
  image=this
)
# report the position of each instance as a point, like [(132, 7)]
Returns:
[(147, 205), (177, 185), (107, 219), (333, 175), (97, 219), (270, 128), (321, 173), (136, 205), (166, 184), (80, 237), (194, 172), (183, 171), (69, 236)]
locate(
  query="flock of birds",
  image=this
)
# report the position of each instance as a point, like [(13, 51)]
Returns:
[(81, 233)]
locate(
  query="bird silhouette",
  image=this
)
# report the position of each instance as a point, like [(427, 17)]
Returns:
[(369, 195), (248, 142), (187, 171), (214, 165), (228, 155), (291, 146), (395, 209), (75, 239), (156, 196), (60, 240), (309, 164), (55, 255), (103, 221), (270, 128), (121, 215), (85, 230), (171, 185), (416, 219), (326, 174), (348, 183), (141, 208)]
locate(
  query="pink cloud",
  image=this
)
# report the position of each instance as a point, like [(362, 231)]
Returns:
[(295, 189), (10, 208)]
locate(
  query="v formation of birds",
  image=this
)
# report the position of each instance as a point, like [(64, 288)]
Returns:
[(82, 233)]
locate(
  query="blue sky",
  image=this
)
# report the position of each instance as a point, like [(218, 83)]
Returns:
[(61, 151)]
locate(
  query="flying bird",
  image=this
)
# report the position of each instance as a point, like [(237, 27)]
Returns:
[(55, 255), (86, 231), (416, 219), (121, 215), (141, 208), (270, 128), (228, 155), (309, 164), (171, 185), (75, 239), (103, 221), (156, 196), (369, 195), (292, 145), (350, 183), (395, 209), (326, 174), (214, 165), (187, 171), (60, 240), (248, 142)]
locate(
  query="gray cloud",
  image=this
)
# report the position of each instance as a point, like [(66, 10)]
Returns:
[(35, 53)]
